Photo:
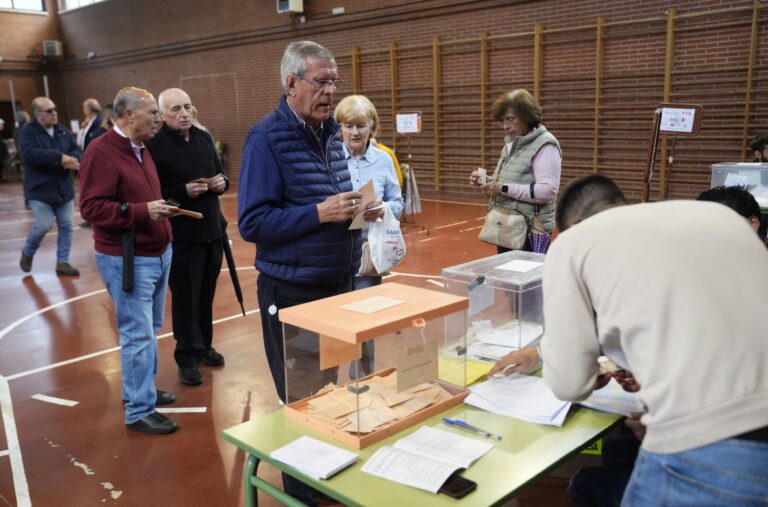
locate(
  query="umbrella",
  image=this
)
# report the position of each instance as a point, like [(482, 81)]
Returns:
[(538, 237), (232, 269)]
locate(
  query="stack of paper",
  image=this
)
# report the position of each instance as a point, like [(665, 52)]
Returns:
[(314, 458), (519, 396), (426, 458), (614, 399), (379, 406)]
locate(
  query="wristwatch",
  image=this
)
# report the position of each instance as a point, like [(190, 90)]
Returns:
[(504, 189)]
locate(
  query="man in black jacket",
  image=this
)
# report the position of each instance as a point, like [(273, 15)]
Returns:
[(192, 174), (50, 156)]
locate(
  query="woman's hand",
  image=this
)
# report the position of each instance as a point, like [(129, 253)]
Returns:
[(474, 178), (491, 189), (373, 215)]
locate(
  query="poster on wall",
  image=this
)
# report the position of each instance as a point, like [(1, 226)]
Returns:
[(680, 119), (408, 123)]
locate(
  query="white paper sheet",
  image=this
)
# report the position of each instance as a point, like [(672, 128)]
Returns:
[(314, 458), (612, 398), (509, 334), (372, 304), (426, 458), (520, 265), (520, 396), (409, 469)]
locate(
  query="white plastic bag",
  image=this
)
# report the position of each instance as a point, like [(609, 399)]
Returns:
[(386, 243)]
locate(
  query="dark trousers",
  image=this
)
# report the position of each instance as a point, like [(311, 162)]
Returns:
[(194, 271), (604, 486), (275, 295)]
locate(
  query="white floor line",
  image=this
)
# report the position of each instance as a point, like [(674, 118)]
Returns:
[(449, 225), (472, 228), (435, 282), (426, 239), (183, 410), (20, 485), (54, 400), (455, 202), (22, 320), (106, 351), (5, 453)]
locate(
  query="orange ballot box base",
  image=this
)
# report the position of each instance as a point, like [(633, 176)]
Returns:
[(367, 364)]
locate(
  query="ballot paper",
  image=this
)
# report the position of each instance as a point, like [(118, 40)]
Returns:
[(425, 459), (520, 265), (612, 398), (507, 335), (314, 458), (369, 196), (520, 396)]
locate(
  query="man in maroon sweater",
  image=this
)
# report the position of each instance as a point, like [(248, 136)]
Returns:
[(120, 196)]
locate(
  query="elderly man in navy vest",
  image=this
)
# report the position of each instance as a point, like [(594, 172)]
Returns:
[(295, 198)]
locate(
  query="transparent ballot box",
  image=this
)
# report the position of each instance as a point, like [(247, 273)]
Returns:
[(505, 302), (364, 365), (752, 175)]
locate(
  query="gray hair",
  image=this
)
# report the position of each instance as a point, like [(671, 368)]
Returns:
[(129, 97), (296, 56)]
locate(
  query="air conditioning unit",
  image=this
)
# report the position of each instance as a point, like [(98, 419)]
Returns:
[(53, 48), (290, 6)]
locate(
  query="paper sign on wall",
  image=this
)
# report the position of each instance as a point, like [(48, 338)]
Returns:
[(408, 123)]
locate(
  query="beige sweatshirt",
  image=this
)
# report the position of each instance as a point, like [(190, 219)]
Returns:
[(675, 292)]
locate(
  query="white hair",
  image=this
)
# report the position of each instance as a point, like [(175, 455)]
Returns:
[(296, 56)]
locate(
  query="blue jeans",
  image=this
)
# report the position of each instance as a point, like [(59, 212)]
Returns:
[(44, 213), (139, 317), (726, 473)]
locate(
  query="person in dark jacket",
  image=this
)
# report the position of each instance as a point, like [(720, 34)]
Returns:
[(191, 173), (50, 156), (91, 128), (295, 201)]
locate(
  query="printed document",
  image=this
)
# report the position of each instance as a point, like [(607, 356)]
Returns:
[(314, 458), (612, 398), (426, 458)]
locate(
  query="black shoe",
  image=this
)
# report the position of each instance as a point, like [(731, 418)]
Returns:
[(212, 358), (190, 376), (65, 269), (25, 263), (164, 398), (155, 424)]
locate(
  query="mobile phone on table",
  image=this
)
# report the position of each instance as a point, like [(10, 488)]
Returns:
[(457, 486)]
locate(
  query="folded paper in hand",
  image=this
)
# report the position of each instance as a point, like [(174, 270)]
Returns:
[(314, 458), (369, 196)]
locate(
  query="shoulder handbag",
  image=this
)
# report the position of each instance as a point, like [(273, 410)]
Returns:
[(503, 226)]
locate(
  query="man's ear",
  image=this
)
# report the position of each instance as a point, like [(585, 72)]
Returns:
[(290, 84), (758, 156), (754, 222)]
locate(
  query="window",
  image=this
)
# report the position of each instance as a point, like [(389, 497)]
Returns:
[(68, 5), (23, 5)]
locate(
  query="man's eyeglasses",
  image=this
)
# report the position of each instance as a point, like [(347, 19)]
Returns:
[(50, 110), (323, 83)]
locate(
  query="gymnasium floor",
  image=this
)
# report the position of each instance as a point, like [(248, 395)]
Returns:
[(58, 338)]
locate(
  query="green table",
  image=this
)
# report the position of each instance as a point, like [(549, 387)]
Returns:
[(527, 452)]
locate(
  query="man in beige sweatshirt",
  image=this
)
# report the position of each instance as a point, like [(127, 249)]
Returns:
[(675, 292)]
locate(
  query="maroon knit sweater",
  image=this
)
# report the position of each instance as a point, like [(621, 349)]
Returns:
[(110, 175)]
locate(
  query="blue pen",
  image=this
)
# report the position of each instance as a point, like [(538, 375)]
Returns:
[(467, 426)]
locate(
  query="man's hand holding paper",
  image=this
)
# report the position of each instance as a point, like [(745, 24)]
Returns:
[(368, 199)]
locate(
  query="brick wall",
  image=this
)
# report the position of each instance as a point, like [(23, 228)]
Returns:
[(227, 55), (21, 37)]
